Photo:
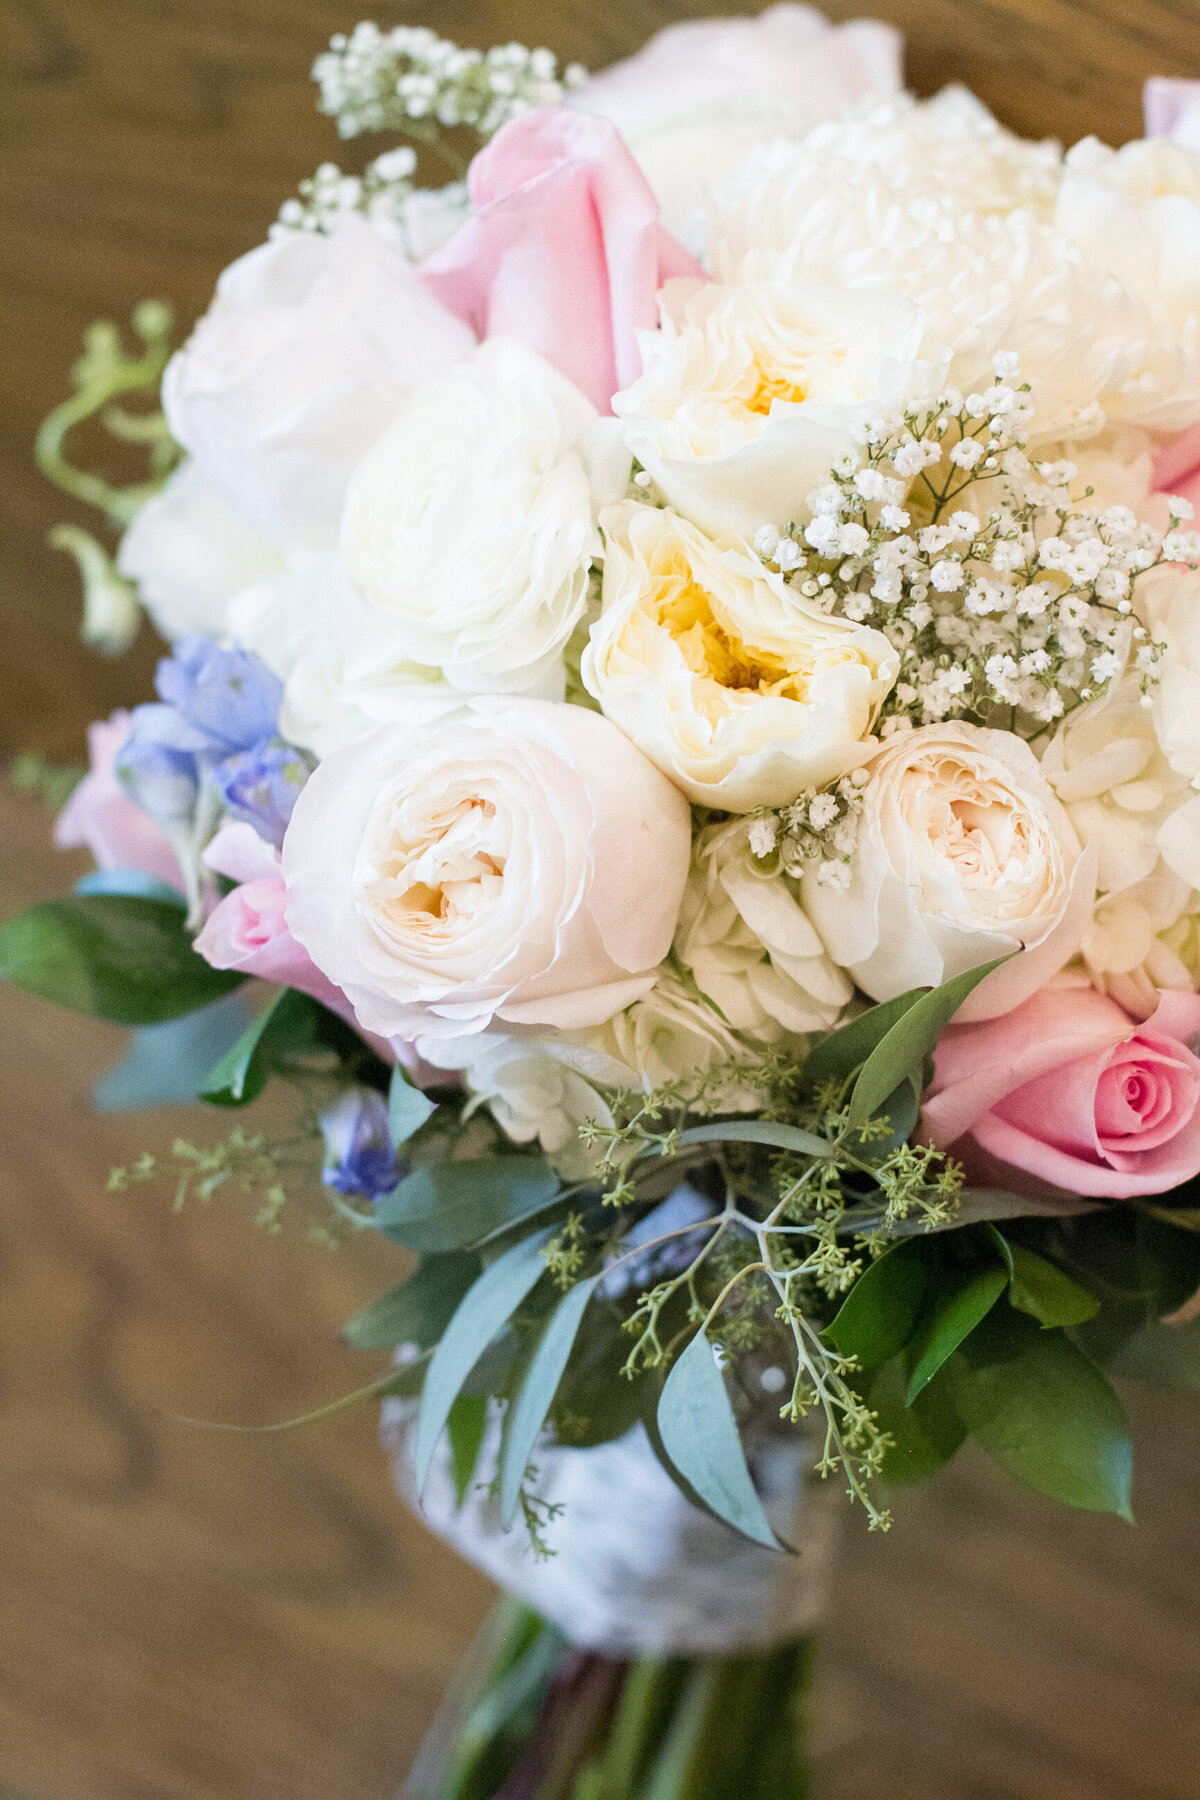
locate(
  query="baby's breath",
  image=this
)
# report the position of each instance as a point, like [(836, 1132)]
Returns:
[(820, 827)]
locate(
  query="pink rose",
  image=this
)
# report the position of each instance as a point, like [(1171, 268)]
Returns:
[(564, 250), (1177, 468), (101, 817), (1075, 1093), (1172, 110)]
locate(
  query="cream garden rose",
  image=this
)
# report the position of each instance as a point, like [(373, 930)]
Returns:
[(730, 682), (749, 945), (470, 524), (963, 855), (750, 393), (494, 859)]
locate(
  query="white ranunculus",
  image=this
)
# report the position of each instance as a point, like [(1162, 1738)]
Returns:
[(190, 553), (963, 855), (470, 524), (490, 859), (343, 664), (314, 343), (736, 687), (670, 1035), (700, 95), (750, 394), (532, 1091), (749, 945)]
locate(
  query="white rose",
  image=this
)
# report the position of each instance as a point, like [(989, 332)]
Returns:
[(701, 94), (470, 524), (963, 855), (750, 946), (530, 1089), (728, 680), (190, 553), (314, 343), (750, 394), (343, 664), (494, 859)]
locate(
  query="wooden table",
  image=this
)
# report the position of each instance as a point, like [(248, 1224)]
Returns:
[(188, 1615)]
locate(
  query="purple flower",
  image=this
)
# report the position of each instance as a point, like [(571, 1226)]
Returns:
[(260, 785), (359, 1158)]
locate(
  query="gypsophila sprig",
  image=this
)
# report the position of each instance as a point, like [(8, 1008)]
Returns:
[(384, 193), (820, 827), (1000, 590)]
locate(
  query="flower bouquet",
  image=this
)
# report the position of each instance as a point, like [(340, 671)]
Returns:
[(679, 744)]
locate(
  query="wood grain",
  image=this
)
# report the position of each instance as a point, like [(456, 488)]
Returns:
[(195, 1616)]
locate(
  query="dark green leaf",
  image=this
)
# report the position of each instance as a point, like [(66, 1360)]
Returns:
[(1044, 1411), (465, 1428), (901, 1052), (700, 1435), (1044, 1291), (900, 1109), (453, 1204), (845, 1050), (169, 1063), (880, 1313), (419, 1310), (925, 1435), (756, 1131), (111, 955), (287, 1025), (484, 1310), (957, 1305), (535, 1397), (1168, 1262), (408, 1108)]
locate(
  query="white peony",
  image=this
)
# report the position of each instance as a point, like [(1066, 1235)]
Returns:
[(749, 945), (733, 684), (489, 859), (190, 553), (701, 94), (750, 394), (314, 343), (470, 524), (963, 855)]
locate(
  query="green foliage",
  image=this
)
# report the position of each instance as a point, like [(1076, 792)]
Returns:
[(419, 1309), (465, 1428), (923, 1434), (288, 1025), (901, 1053), (168, 1064), (960, 1303), (408, 1108), (454, 1204), (1045, 1292), (112, 955), (535, 1396), (880, 1313), (700, 1435)]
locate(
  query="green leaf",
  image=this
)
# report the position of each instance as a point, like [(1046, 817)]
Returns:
[(958, 1306), (879, 1314), (700, 1435), (902, 1050), (485, 1308), (756, 1131), (1039, 1288), (900, 1109), (465, 1428), (115, 956), (287, 1024), (419, 1310), (1044, 1411), (925, 1435), (535, 1397), (408, 1108), (845, 1050), (453, 1204), (168, 1064)]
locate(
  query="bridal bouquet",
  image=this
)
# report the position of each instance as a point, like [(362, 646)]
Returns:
[(681, 743)]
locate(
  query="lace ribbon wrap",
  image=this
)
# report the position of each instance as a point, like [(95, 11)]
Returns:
[(637, 1570)]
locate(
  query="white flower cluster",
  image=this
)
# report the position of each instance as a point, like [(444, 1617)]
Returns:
[(998, 586), (817, 827), (418, 219), (373, 80)]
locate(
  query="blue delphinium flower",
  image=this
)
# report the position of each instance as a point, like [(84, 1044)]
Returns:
[(261, 785), (227, 696), (359, 1158)]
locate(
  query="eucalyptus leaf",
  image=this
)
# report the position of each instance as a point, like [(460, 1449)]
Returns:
[(902, 1050), (1041, 1289), (527, 1411), (700, 1436), (453, 1204), (481, 1314), (465, 1428), (1044, 1411), (957, 1307), (115, 956), (419, 1309), (846, 1049), (408, 1108), (880, 1313), (756, 1131), (167, 1064), (287, 1025)]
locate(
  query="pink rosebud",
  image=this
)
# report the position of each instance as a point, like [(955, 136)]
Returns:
[(564, 251), (1177, 468), (1071, 1091), (101, 817)]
